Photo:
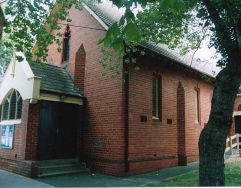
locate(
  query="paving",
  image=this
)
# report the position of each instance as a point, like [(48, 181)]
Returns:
[(87, 179), (101, 180), (8, 179)]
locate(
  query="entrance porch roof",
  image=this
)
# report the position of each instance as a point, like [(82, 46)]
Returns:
[(40, 82)]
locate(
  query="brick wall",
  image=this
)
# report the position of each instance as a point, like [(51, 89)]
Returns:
[(32, 132), (15, 160), (152, 145), (79, 72), (181, 128), (154, 142), (104, 130), (19, 137)]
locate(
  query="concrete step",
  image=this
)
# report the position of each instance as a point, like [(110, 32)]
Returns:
[(228, 154), (61, 173), (60, 167), (57, 161)]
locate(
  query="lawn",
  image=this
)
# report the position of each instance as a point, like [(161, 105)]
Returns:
[(232, 173)]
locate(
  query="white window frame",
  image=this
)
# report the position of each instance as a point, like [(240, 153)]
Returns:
[(197, 106), (18, 97)]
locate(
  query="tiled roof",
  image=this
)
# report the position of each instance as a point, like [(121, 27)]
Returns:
[(55, 79), (109, 14)]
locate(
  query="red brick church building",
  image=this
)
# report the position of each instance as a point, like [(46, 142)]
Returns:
[(68, 110)]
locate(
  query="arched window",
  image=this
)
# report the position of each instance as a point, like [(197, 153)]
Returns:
[(12, 106), (66, 45)]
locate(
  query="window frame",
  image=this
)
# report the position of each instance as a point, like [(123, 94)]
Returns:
[(157, 113), (67, 36), (16, 107), (197, 106), (11, 146)]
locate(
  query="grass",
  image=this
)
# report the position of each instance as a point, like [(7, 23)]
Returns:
[(232, 174)]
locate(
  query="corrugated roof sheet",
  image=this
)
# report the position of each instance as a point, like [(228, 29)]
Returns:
[(55, 79), (109, 14)]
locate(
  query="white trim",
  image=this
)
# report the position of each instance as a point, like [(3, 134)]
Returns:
[(95, 16), (10, 122), (61, 98), (236, 113), (23, 80)]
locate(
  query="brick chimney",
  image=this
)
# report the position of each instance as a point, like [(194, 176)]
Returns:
[(79, 72)]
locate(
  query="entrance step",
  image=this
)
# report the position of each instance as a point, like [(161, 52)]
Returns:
[(60, 167)]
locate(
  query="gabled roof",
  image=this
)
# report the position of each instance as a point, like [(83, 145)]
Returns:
[(109, 14), (55, 79)]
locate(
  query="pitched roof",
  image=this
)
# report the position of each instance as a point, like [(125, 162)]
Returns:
[(109, 14), (55, 79)]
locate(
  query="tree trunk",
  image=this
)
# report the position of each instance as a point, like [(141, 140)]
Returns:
[(212, 140)]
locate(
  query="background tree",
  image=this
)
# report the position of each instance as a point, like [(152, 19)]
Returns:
[(5, 58), (177, 23)]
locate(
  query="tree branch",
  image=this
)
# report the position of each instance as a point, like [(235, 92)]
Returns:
[(237, 29), (222, 33)]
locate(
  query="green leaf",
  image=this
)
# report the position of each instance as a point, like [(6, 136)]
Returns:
[(132, 32), (118, 44)]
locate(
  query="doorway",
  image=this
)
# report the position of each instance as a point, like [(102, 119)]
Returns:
[(57, 138)]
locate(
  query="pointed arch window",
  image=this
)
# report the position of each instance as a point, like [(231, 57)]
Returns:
[(12, 106), (66, 45)]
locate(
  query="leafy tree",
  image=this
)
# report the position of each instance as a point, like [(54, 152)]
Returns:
[(5, 58), (5, 53), (178, 23)]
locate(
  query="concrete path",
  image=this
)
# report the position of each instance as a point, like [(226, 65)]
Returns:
[(8, 179), (100, 180)]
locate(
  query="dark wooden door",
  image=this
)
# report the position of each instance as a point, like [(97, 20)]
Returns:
[(57, 131), (238, 124)]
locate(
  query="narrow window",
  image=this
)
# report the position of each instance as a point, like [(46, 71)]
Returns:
[(156, 97), (13, 102), (5, 110), (197, 105), (19, 108), (66, 45)]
